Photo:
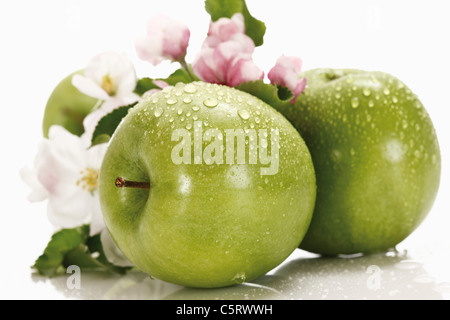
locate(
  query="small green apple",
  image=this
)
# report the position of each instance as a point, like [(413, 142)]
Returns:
[(67, 107), (217, 187), (376, 157)]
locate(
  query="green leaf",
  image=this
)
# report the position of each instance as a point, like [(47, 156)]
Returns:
[(271, 94), (222, 8), (74, 247), (254, 28), (179, 75), (61, 243), (108, 124), (143, 85)]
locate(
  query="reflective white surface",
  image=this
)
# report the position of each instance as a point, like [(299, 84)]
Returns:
[(51, 39), (392, 275)]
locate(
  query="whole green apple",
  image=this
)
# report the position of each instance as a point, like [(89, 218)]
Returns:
[(216, 187), (376, 157), (67, 107)]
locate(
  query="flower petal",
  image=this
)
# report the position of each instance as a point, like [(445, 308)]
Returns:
[(89, 87)]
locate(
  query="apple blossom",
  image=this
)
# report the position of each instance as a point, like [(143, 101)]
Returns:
[(108, 76), (166, 39), (286, 72), (226, 54), (66, 174), (226, 29)]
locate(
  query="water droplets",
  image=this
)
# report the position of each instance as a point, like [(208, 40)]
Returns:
[(195, 108), (366, 92), (190, 88), (158, 112), (187, 100), (211, 102), (239, 277), (171, 101), (386, 91), (244, 114), (355, 102)]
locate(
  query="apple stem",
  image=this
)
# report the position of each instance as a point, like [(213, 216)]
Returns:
[(122, 183)]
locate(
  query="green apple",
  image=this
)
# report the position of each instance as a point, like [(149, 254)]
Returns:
[(217, 187), (376, 157), (67, 107)]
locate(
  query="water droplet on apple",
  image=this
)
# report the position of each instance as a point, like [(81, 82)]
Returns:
[(210, 102), (190, 88), (189, 126), (337, 95), (355, 102), (366, 92), (180, 111), (158, 112), (386, 91), (171, 101), (239, 277), (195, 108), (187, 100), (394, 99), (371, 104), (244, 114)]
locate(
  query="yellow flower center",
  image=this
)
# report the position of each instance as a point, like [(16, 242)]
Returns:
[(88, 180), (108, 85)]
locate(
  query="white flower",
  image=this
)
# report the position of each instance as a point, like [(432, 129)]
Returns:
[(66, 173), (108, 76)]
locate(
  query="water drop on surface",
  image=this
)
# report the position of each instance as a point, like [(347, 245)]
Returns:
[(210, 102), (180, 111), (355, 102), (366, 92), (386, 91), (195, 108), (239, 277), (171, 101), (371, 104), (190, 88), (187, 100), (158, 112), (244, 114)]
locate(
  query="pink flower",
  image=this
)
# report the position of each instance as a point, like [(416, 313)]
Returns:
[(286, 72), (226, 55), (166, 39), (226, 29)]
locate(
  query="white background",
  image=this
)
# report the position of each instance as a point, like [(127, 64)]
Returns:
[(44, 41)]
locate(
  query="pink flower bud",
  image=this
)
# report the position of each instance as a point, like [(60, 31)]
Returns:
[(286, 72), (166, 39)]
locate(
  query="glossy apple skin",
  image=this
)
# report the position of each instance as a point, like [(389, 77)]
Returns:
[(204, 225), (67, 107), (376, 157)]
